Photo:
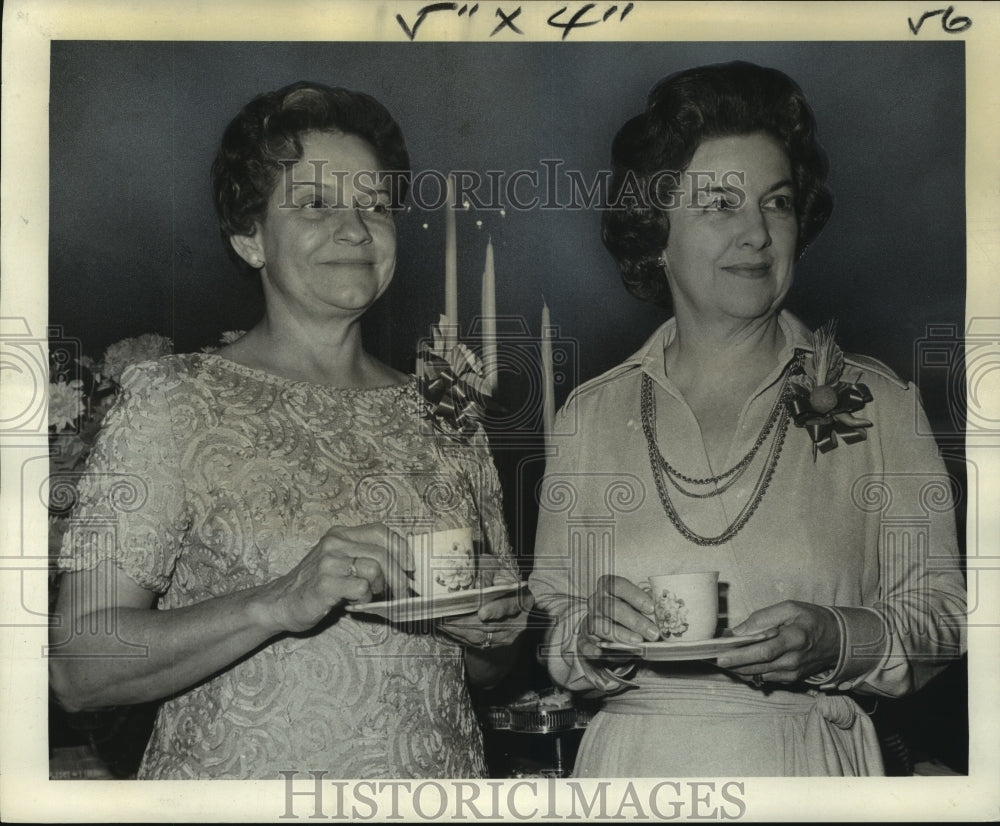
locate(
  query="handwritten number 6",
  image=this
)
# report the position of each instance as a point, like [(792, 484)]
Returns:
[(948, 23), (957, 24)]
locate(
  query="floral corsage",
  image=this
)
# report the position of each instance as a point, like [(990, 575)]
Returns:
[(821, 402), (452, 382)]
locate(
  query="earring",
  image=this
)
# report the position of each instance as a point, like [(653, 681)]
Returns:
[(661, 261)]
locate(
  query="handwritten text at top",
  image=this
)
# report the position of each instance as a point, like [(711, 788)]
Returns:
[(565, 18)]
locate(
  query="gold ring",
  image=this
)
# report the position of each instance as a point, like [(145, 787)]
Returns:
[(488, 642), (353, 571)]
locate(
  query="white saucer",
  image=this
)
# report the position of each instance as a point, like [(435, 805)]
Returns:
[(662, 652), (414, 609)]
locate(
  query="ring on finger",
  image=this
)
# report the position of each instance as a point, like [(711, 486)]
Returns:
[(757, 680), (487, 640), (353, 570)]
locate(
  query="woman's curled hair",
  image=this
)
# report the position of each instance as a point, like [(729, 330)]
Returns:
[(684, 109), (268, 132)]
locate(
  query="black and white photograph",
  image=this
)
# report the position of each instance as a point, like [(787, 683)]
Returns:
[(486, 411)]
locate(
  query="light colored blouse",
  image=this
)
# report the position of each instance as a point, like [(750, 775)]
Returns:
[(210, 477), (867, 528)]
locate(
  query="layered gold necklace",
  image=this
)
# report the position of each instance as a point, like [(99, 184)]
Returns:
[(777, 422)]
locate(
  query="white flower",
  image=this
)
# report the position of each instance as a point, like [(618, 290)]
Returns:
[(226, 338), (129, 351), (458, 570), (64, 403)]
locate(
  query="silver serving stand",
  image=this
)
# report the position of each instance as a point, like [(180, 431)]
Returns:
[(528, 720)]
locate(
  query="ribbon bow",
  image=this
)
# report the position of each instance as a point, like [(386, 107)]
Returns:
[(822, 403), (824, 428), (450, 378)]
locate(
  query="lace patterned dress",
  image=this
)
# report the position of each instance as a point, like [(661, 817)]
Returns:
[(210, 477)]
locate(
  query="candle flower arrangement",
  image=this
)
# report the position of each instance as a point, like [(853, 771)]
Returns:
[(453, 383), (457, 384)]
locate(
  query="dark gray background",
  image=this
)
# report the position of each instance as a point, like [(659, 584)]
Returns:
[(134, 246), (134, 126)]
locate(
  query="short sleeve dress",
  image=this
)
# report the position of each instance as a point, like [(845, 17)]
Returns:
[(210, 477)]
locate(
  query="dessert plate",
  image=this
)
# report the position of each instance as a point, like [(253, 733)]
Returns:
[(662, 652), (414, 609)]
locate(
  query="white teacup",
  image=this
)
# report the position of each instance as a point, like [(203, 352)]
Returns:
[(443, 562), (686, 606)]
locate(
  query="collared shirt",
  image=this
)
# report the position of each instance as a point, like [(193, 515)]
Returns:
[(867, 528)]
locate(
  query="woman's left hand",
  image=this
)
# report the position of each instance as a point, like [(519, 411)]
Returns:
[(498, 622), (807, 642)]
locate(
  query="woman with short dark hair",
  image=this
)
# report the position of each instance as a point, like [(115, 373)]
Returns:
[(254, 494)]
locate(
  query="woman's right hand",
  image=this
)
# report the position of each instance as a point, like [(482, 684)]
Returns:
[(617, 612), (346, 565), (95, 666)]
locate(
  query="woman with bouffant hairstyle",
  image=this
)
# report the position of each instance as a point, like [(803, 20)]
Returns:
[(748, 446), (682, 111)]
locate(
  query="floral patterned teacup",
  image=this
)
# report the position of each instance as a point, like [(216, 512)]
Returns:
[(444, 562), (686, 606)]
